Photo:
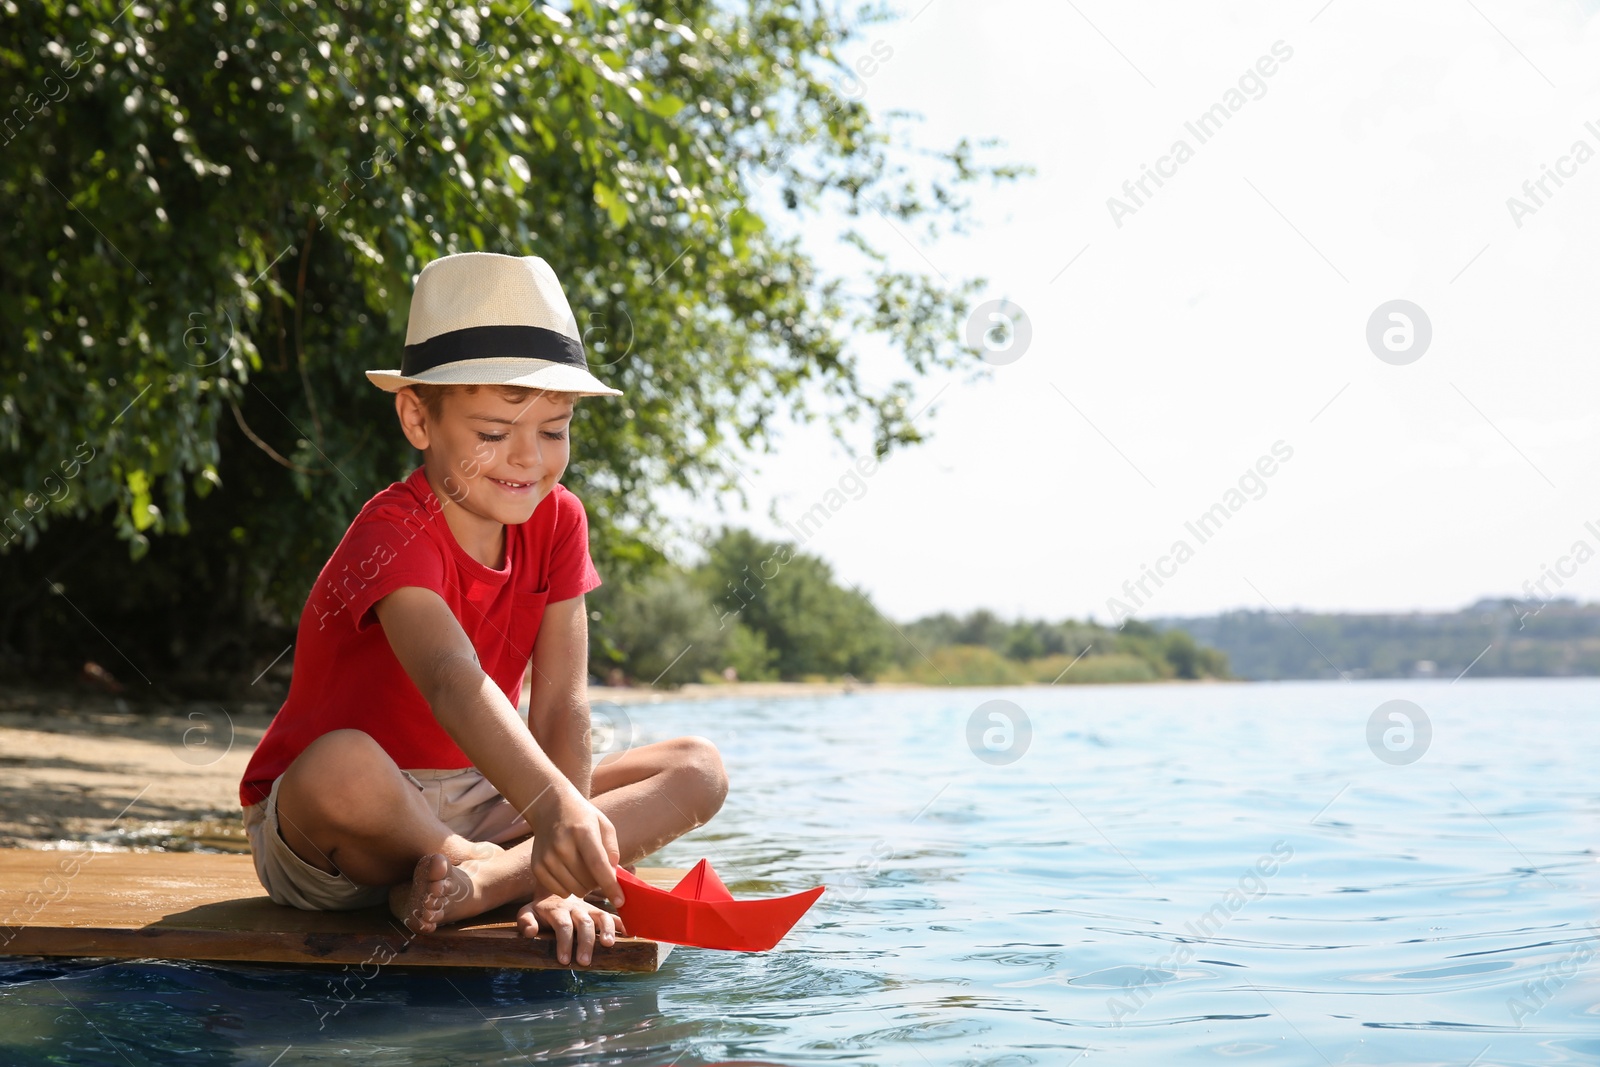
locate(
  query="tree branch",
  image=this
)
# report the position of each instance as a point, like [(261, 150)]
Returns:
[(299, 345), (238, 416)]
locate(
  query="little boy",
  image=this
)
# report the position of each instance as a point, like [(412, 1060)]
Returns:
[(399, 769)]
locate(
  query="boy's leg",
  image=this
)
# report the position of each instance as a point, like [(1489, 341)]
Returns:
[(345, 808), (652, 794), (656, 793)]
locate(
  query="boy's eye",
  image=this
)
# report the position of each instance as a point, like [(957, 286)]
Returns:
[(496, 438)]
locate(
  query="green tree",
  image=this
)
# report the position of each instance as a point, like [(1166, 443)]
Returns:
[(983, 627), (213, 213), (812, 625), (1035, 650), (1180, 651), (665, 633)]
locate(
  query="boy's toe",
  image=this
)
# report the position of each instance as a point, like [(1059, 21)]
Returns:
[(421, 905)]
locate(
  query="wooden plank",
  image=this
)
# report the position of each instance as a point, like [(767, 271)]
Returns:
[(206, 906)]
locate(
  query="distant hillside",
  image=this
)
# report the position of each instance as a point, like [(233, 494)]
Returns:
[(1495, 637)]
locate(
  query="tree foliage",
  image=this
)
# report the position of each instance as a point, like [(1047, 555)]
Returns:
[(767, 609), (213, 213), (663, 632), (1492, 638), (763, 608), (665, 625), (981, 648), (812, 624)]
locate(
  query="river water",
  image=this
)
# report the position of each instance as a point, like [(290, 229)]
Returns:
[(1261, 874)]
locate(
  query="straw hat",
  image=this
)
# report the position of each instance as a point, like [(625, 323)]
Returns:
[(480, 318)]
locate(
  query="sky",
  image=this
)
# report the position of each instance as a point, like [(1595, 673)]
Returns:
[(1223, 343)]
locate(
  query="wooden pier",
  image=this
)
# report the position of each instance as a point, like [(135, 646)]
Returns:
[(208, 906)]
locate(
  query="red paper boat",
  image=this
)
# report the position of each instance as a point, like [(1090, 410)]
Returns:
[(701, 912)]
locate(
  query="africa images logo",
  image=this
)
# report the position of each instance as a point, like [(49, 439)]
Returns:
[(1252, 85)]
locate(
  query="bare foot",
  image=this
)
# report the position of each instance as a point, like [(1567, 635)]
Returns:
[(438, 888)]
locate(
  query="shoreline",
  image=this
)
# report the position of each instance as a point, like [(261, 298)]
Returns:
[(698, 691), (83, 767)]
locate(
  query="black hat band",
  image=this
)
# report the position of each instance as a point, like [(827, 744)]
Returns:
[(492, 342)]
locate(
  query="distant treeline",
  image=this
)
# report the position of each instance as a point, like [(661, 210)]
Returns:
[(982, 649), (1494, 637), (762, 610)]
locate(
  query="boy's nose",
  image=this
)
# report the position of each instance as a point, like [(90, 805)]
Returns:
[(527, 452)]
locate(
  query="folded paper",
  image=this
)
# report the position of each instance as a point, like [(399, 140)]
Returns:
[(700, 911)]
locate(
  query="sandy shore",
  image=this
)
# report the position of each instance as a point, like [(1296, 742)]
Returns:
[(77, 766)]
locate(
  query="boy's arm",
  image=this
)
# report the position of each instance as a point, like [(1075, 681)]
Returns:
[(558, 708), (575, 845)]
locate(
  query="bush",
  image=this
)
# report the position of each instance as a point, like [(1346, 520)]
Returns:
[(960, 665), (663, 632), (1114, 667), (747, 653), (812, 625)]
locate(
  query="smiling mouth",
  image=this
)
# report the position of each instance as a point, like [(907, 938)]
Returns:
[(512, 485)]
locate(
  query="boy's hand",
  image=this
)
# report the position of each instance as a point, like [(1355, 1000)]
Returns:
[(576, 924), (574, 847)]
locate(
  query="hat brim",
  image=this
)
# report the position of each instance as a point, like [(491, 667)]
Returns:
[(541, 374)]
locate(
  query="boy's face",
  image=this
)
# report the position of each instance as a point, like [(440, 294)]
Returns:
[(496, 458)]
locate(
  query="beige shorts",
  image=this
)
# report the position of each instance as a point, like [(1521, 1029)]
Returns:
[(463, 799)]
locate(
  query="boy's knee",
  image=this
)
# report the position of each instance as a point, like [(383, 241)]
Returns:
[(699, 756), (342, 749), (336, 773)]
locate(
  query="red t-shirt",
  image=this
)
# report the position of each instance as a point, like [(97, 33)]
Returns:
[(345, 674)]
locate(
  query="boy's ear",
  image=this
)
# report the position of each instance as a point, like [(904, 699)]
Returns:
[(413, 418)]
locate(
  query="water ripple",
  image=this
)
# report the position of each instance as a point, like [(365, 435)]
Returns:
[(1170, 874)]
